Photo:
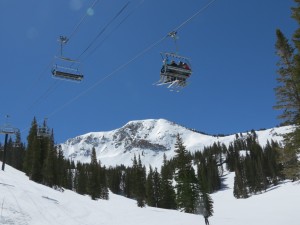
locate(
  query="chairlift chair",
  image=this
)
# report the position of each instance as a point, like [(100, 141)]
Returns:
[(17, 144), (43, 131), (8, 129), (175, 70), (67, 69)]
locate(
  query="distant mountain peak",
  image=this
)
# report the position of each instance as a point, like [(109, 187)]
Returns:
[(151, 138)]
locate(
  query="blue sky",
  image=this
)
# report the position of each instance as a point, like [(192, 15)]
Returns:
[(230, 44)]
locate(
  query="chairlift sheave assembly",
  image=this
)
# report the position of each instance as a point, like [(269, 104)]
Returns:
[(66, 68), (175, 70)]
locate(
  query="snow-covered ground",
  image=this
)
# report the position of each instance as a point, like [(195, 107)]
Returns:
[(23, 202)]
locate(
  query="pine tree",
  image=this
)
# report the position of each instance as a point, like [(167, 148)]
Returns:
[(93, 178), (150, 196), (230, 158), (115, 180), (140, 182), (168, 195), (288, 95), (31, 145), (104, 193), (271, 162), (240, 189), (36, 169), (157, 187), (128, 183), (186, 186), (50, 162), (206, 203), (49, 168), (153, 186), (64, 174), (18, 153), (81, 178), (67, 181)]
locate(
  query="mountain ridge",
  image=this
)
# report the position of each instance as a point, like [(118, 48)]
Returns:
[(151, 139)]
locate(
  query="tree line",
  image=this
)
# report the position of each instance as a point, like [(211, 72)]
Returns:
[(182, 182), (175, 185)]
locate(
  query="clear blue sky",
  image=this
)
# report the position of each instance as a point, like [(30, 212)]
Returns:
[(230, 44)]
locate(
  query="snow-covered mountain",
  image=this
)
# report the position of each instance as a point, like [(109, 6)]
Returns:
[(151, 139), (24, 202)]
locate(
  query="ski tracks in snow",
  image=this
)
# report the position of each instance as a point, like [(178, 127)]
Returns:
[(11, 209)]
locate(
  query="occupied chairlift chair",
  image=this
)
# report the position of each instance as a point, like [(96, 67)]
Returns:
[(175, 71)]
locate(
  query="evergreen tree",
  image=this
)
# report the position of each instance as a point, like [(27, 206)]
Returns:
[(31, 145), (128, 184), (64, 173), (36, 169), (168, 195), (140, 179), (104, 193), (157, 187), (115, 180), (15, 152), (231, 156), (68, 181), (240, 187), (93, 178), (49, 170), (153, 187), (187, 189), (288, 95), (150, 196), (50, 162), (271, 162), (208, 168), (206, 203), (81, 178)]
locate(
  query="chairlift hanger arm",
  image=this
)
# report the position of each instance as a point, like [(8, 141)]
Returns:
[(63, 40)]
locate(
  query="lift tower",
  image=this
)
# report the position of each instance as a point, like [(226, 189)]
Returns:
[(6, 129)]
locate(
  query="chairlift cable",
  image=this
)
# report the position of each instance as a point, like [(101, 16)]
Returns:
[(103, 29), (76, 28), (44, 95), (114, 29), (194, 15)]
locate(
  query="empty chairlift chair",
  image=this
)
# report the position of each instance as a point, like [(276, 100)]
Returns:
[(67, 69)]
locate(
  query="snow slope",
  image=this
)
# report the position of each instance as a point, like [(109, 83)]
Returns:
[(151, 139), (23, 202)]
